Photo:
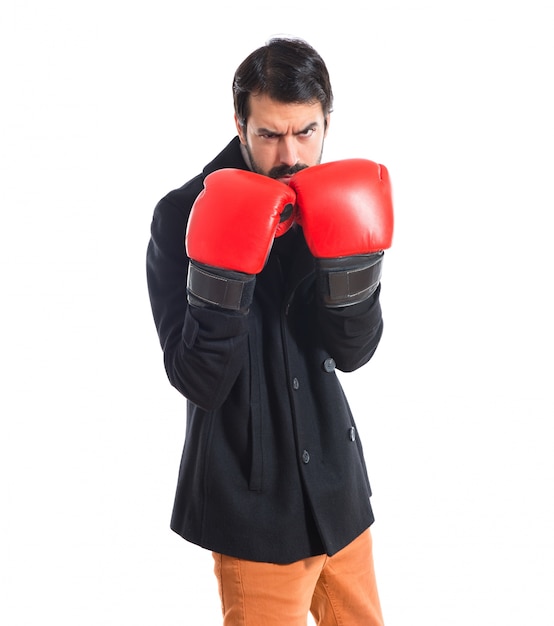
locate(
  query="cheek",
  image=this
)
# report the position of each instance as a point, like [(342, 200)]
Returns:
[(311, 155), (266, 157)]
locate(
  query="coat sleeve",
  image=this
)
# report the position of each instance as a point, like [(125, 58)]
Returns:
[(203, 349), (351, 334)]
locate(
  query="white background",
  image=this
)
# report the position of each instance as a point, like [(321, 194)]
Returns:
[(106, 106)]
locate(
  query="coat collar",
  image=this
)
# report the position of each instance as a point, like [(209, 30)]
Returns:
[(230, 156)]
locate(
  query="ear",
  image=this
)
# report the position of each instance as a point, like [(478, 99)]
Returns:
[(240, 130), (327, 123)]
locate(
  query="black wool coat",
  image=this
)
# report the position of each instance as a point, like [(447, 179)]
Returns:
[(272, 467)]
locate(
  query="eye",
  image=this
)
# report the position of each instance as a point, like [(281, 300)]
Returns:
[(307, 133)]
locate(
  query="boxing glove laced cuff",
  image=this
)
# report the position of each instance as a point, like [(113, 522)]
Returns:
[(349, 280), (220, 288)]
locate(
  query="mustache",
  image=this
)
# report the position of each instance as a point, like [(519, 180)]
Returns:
[(284, 170)]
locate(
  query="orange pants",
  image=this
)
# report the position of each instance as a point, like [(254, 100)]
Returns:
[(338, 590)]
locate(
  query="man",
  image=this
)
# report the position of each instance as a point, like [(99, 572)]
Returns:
[(264, 277)]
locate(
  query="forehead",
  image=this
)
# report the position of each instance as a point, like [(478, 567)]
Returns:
[(268, 113)]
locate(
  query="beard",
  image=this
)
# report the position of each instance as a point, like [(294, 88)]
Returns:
[(284, 170), (279, 171)]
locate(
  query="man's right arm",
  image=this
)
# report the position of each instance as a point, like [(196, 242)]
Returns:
[(200, 298), (203, 348)]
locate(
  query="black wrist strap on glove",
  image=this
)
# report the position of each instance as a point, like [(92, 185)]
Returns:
[(210, 286), (349, 280)]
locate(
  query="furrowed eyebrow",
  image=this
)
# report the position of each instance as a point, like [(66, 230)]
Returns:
[(308, 127), (268, 131)]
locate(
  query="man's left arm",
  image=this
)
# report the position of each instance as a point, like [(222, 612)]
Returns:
[(345, 209), (351, 333)]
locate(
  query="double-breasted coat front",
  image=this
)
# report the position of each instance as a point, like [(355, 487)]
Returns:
[(272, 466)]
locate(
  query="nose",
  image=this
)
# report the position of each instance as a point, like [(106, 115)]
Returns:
[(287, 151)]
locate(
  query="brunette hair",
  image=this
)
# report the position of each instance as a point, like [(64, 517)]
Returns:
[(286, 70)]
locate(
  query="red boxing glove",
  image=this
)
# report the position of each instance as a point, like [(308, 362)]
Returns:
[(230, 233), (345, 209)]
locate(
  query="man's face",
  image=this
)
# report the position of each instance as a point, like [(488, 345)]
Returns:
[(280, 139)]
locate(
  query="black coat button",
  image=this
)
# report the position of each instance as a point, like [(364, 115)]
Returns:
[(295, 383), (329, 365), (305, 457)]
